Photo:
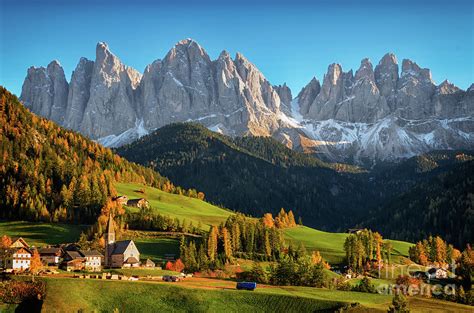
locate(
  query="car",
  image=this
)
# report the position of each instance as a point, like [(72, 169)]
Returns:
[(171, 278), (245, 285)]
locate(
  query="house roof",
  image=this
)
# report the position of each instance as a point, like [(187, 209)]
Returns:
[(148, 261), (91, 253), (121, 246), (21, 240), (74, 255), (49, 251), (131, 260)]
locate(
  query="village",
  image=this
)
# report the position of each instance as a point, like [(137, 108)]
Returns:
[(19, 258)]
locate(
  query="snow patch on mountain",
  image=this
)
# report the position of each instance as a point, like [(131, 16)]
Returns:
[(114, 141)]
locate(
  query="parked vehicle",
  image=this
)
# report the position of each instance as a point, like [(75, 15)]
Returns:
[(246, 285), (171, 278)]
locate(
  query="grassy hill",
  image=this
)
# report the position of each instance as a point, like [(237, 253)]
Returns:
[(40, 234), (329, 244), (191, 209)]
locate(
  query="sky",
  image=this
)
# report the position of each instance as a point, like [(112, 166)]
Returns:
[(289, 41)]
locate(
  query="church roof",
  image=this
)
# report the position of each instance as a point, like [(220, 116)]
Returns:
[(121, 246), (131, 260)]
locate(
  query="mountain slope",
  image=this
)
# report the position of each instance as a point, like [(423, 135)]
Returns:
[(52, 174), (251, 175), (441, 204), (255, 175)]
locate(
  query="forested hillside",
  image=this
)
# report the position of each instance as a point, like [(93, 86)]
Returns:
[(442, 204), (52, 174), (253, 175), (257, 175)]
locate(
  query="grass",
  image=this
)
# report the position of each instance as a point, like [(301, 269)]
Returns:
[(40, 234), (330, 245), (176, 206), (156, 248), (72, 295), (206, 295)]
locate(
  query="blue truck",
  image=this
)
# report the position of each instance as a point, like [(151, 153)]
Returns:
[(246, 285)]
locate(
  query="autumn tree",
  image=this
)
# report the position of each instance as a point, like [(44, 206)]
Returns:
[(212, 243), (227, 243), (268, 220), (35, 262)]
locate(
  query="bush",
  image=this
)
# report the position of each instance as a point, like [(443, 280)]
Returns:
[(365, 286), (15, 292)]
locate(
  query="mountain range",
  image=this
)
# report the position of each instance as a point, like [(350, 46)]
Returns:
[(370, 116)]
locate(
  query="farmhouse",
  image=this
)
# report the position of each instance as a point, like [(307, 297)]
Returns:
[(119, 253), (138, 203), (17, 258), (92, 260), (50, 255), (121, 200)]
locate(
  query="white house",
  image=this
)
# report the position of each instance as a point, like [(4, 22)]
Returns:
[(17, 259), (92, 260)]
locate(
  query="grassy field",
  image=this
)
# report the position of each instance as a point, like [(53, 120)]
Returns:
[(72, 295), (193, 210), (40, 234), (331, 244), (156, 248)]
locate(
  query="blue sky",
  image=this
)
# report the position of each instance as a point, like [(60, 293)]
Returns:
[(289, 41)]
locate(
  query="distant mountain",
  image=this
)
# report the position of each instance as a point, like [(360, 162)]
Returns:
[(253, 175), (372, 115), (49, 173)]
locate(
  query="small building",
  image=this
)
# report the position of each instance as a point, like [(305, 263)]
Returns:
[(437, 273), (17, 258), (92, 260), (121, 200), (74, 265), (138, 203), (50, 255), (149, 263)]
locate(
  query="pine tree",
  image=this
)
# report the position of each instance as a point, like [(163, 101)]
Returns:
[(227, 243), (399, 304)]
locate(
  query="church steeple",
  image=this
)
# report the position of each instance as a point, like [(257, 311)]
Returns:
[(110, 235), (109, 241)]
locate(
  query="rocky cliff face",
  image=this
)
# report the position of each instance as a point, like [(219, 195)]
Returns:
[(374, 114), (377, 115), (45, 91)]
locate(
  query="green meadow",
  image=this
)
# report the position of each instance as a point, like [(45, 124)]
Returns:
[(73, 295), (40, 234), (176, 206)]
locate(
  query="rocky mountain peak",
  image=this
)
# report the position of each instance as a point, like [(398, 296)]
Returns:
[(333, 75), (410, 68), (446, 88), (365, 71)]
